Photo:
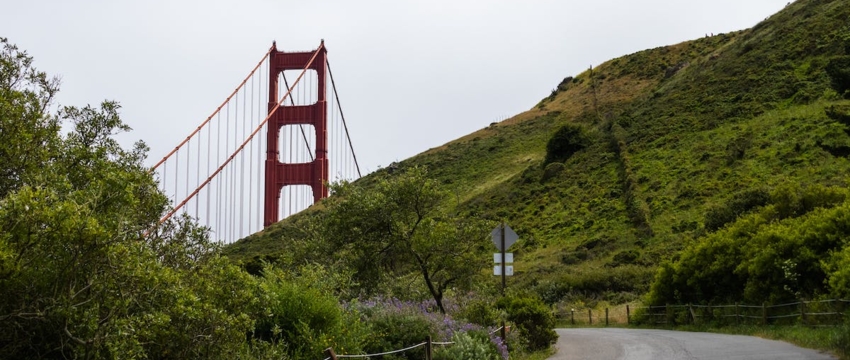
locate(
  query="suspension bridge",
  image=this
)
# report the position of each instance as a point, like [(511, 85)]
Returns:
[(250, 164)]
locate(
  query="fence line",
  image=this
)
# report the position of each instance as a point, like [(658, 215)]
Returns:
[(828, 312), (428, 344)]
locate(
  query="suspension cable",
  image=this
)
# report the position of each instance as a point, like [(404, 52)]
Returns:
[(344, 124)]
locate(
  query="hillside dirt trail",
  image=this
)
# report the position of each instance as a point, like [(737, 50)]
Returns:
[(645, 344)]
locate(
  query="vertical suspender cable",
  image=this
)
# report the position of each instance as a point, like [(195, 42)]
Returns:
[(209, 155), (233, 168), (188, 158), (227, 205), (251, 169), (260, 190), (198, 175), (218, 226), (164, 182), (342, 115), (242, 166), (176, 174)]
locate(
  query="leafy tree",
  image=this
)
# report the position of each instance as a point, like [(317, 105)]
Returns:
[(398, 226), (84, 272), (29, 134)]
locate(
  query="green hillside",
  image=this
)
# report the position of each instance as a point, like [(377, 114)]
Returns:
[(676, 142)]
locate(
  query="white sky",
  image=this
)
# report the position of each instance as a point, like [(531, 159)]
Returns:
[(412, 75)]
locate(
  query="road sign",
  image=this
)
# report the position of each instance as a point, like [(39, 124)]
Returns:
[(509, 270), (497, 258), (510, 237)]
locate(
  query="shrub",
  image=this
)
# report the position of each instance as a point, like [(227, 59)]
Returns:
[(838, 70), (395, 331), (467, 346), (305, 317), (568, 140), (399, 324), (533, 319), (740, 203), (479, 311), (840, 113), (624, 258)]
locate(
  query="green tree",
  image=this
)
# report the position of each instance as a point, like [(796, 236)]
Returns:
[(29, 134), (398, 226), (82, 274)]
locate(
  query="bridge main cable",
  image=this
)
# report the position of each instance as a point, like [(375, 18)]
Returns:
[(247, 140)]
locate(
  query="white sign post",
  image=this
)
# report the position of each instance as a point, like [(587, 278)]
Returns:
[(503, 237)]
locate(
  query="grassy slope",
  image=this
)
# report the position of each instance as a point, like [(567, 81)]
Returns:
[(676, 129)]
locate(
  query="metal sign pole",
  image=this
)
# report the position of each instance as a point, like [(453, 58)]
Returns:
[(503, 258), (504, 272)]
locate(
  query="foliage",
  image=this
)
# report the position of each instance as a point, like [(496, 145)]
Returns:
[(533, 319), (740, 203), (479, 311), (398, 227), (305, 315), (791, 249), (566, 141), (397, 324), (30, 134), (84, 270), (838, 70), (467, 346)]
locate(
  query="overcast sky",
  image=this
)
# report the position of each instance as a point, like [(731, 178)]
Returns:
[(412, 75)]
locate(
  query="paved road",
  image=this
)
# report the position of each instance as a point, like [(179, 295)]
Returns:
[(633, 344)]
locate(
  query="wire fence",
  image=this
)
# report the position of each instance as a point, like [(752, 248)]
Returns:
[(427, 344), (810, 313)]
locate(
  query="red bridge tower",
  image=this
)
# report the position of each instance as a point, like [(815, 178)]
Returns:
[(315, 173)]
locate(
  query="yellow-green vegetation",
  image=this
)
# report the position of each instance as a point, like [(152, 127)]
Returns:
[(652, 153)]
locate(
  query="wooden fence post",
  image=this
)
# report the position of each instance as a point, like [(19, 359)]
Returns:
[(628, 314), (737, 315), (428, 348), (589, 317), (606, 316), (690, 315), (803, 311), (667, 314), (573, 316), (329, 352), (764, 313)]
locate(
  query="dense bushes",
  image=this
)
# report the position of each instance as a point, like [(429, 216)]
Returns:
[(533, 319), (838, 70), (468, 346), (740, 203), (567, 140), (793, 248)]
